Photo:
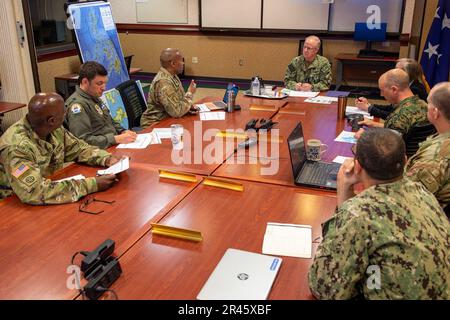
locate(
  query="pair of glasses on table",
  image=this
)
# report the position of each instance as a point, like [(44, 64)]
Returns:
[(90, 200)]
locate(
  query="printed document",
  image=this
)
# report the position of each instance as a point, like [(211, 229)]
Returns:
[(77, 177), (142, 141), (300, 94), (322, 100), (355, 110), (209, 116), (120, 166), (163, 133), (293, 240), (346, 136)]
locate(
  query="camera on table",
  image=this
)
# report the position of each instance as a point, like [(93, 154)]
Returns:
[(354, 119)]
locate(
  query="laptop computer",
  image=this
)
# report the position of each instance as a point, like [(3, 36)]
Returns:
[(241, 275), (307, 173), (222, 105)]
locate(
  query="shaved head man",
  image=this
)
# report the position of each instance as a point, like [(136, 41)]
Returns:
[(167, 97), (310, 71), (26, 163)]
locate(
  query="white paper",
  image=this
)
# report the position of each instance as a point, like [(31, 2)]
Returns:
[(341, 159), (355, 110), (209, 116), (142, 141), (120, 166), (300, 94), (322, 100), (293, 240), (346, 136), (77, 177), (108, 22), (202, 107), (163, 133)]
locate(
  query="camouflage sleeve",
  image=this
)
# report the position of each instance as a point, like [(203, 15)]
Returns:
[(325, 78), (398, 122), (290, 78), (79, 151), (79, 124), (31, 187), (341, 259), (176, 105), (432, 173)]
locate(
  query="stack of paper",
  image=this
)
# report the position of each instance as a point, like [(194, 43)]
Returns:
[(142, 141), (292, 240), (300, 94), (322, 100), (120, 166)]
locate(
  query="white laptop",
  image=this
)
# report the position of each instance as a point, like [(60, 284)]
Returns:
[(241, 275)]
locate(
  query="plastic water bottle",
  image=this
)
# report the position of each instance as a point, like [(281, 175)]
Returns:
[(255, 87)]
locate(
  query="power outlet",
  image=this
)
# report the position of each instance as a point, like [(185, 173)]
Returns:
[(194, 59), (241, 62)]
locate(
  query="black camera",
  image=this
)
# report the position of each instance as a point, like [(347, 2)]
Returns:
[(354, 119)]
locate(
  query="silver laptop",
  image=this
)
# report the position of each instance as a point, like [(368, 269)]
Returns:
[(241, 275)]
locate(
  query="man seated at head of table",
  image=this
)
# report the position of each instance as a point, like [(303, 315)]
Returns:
[(388, 242), (431, 163), (36, 146), (415, 75), (87, 117), (410, 109), (310, 71), (166, 96)]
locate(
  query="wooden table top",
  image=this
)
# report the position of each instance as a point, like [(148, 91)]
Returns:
[(10, 106), (37, 242), (158, 267)]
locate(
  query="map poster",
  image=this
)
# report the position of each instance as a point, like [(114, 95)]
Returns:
[(98, 40)]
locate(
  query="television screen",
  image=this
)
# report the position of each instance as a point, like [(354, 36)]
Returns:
[(363, 33)]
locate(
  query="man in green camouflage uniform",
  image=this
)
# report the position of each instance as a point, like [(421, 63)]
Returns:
[(409, 109), (388, 242), (87, 117), (431, 163), (166, 97), (36, 146), (310, 71)]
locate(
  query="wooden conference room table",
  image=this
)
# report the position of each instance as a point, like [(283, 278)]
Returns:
[(158, 267), (37, 242)]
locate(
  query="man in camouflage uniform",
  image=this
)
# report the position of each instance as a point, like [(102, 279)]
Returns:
[(388, 242), (36, 146), (87, 117), (166, 97), (409, 109), (310, 71), (431, 163)]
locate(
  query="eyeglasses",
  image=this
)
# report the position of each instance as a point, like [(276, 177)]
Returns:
[(309, 48), (88, 201), (353, 148)]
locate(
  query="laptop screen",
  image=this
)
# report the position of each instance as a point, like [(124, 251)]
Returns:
[(297, 149)]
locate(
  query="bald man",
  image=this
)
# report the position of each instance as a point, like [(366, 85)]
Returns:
[(167, 97), (431, 163), (409, 110), (36, 146), (310, 71)]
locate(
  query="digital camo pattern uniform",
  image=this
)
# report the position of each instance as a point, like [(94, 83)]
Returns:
[(26, 161), (409, 112), (398, 227), (318, 73), (431, 166), (89, 119), (166, 99)]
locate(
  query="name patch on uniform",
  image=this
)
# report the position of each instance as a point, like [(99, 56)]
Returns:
[(20, 170), (75, 108)]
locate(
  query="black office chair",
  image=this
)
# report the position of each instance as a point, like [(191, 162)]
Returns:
[(128, 62), (416, 135), (134, 102)]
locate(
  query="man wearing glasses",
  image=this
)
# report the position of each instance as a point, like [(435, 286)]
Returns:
[(388, 242), (36, 146), (310, 71)]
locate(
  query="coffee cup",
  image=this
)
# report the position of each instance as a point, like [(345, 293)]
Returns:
[(342, 106), (314, 149)]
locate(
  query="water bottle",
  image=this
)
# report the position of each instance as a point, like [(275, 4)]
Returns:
[(255, 87), (230, 101)]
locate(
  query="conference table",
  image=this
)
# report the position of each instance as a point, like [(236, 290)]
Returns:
[(38, 242)]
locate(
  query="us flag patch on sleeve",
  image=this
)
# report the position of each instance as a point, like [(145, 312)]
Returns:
[(20, 170)]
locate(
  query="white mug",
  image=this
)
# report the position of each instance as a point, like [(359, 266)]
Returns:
[(314, 149)]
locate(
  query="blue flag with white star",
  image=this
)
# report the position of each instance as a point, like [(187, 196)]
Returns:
[(436, 54)]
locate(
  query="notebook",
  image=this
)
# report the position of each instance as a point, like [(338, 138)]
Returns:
[(241, 275), (309, 173)]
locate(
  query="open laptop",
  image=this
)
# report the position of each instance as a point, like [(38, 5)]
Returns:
[(309, 173), (241, 275), (222, 105)]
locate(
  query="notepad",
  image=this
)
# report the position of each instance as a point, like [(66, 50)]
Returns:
[(120, 166), (293, 240)]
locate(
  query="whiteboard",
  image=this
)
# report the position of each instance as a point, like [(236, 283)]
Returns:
[(162, 11), (344, 13), (231, 14), (295, 14)]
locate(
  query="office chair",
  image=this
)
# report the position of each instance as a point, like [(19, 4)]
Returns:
[(134, 102), (416, 135), (128, 62)]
